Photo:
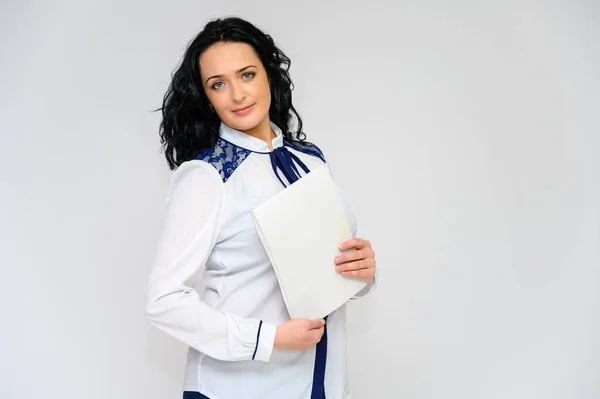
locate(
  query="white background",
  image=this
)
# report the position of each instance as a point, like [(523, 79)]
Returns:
[(465, 134)]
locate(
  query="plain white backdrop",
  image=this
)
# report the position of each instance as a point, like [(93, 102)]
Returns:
[(465, 134)]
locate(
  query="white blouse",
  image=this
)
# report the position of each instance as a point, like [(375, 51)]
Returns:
[(209, 239)]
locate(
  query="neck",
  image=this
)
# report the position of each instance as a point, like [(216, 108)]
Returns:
[(263, 132)]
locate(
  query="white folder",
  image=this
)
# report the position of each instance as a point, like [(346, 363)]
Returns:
[(300, 229)]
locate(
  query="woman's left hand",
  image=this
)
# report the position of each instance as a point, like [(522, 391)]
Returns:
[(360, 263)]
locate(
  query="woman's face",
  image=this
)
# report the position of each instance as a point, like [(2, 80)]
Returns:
[(236, 84)]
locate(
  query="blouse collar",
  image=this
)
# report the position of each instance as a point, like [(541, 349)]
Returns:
[(248, 142)]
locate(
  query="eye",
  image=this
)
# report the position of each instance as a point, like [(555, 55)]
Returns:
[(214, 86), (251, 74)]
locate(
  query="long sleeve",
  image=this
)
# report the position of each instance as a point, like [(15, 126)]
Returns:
[(190, 231)]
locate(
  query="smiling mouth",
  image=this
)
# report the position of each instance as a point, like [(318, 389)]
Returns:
[(243, 109)]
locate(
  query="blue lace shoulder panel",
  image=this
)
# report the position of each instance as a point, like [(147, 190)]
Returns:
[(225, 157), (306, 147)]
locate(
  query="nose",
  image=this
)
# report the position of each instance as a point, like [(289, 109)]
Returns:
[(237, 92)]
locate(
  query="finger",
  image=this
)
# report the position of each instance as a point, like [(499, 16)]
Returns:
[(356, 265), (364, 253), (357, 243), (362, 273), (317, 335), (321, 331), (316, 323)]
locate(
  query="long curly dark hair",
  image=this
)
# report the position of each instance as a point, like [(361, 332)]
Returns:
[(188, 126)]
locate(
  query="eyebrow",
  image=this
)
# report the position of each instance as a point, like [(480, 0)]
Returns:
[(238, 71)]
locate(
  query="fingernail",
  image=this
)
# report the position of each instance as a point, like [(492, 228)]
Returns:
[(341, 246)]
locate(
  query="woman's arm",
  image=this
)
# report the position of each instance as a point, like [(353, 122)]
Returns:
[(191, 227)]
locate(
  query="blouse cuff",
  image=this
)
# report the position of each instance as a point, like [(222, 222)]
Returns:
[(265, 341)]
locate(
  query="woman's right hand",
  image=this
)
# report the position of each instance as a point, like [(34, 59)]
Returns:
[(299, 334)]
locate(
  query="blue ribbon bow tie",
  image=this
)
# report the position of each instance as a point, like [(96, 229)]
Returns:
[(283, 160)]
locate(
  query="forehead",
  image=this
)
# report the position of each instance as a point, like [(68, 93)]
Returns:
[(225, 58)]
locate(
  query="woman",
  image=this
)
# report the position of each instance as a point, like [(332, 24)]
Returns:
[(226, 130)]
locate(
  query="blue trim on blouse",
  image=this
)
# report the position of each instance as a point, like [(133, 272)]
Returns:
[(305, 147), (257, 339), (225, 157), (318, 387)]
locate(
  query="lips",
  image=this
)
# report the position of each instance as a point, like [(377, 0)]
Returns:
[(242, 111)]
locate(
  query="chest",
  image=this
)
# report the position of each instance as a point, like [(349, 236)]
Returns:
[(253, 183)]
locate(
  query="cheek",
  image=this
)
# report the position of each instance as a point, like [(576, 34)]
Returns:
[(209, 96), (219, 102), (265, 94)]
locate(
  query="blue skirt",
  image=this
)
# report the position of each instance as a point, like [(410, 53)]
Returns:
[(193, 395)]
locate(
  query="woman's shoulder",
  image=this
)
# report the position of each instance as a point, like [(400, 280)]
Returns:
[(195, 171), (224, 157), (193, 182)]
